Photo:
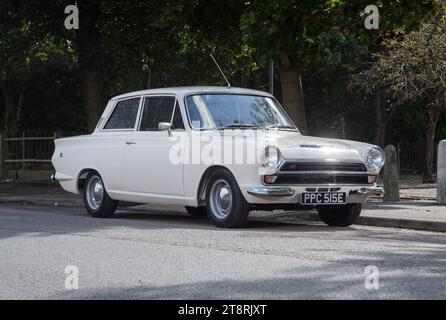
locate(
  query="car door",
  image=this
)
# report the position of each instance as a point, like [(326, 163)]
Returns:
[(108, 144), (150, 167)]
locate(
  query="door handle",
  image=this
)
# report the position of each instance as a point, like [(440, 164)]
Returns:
[(130, 143)]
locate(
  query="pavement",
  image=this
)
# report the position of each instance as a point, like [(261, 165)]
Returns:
[(166, 254), (416, 210)]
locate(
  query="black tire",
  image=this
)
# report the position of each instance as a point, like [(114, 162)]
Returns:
[(340, 215), (196, 211), (107, 206), (237, 212)]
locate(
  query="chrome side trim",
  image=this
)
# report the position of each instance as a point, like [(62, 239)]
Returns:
[(271, 191)]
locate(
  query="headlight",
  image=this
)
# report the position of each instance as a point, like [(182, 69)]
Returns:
[(375, 158), (271, 157)]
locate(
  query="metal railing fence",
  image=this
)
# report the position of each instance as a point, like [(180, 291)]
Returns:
[(30, 150), (411, 155)]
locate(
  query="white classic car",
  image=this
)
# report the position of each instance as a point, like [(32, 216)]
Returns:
[(219, 152)]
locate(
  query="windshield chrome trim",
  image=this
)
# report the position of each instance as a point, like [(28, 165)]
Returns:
[(266, 95)]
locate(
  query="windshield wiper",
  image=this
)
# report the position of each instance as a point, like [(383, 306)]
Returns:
[(238, 125), (279, 126)]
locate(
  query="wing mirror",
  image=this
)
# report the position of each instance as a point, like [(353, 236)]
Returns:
[(162, 126)]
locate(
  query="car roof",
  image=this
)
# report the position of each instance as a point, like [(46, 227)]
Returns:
[(192, 90)]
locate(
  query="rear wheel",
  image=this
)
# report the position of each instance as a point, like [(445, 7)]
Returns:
[(225, 203), (96, 199), (340, 215), (196, 211)]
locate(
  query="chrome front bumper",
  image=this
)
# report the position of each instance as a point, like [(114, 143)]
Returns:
[(288, 192)]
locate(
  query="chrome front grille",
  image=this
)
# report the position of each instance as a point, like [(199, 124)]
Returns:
[(297, 166), (320, 173), (321, 178)]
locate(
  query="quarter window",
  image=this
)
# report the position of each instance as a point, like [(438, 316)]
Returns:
[(156, 110), (124, 115), (177, 121)]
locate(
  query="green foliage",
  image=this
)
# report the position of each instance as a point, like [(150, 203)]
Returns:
[(169, 44), (277, 27), (25, 55), (411, 67)]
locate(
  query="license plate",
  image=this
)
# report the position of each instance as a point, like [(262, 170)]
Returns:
[(322, 197)]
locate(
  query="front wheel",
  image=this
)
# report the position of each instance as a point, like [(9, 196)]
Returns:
[(225, 203), (96, 199), (340, 215)]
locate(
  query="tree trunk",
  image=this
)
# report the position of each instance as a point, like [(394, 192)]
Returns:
[(433, 114), (342, 126), (13, 102), (149, 78), (383, 114), (292, 92), (18, 112), (381, 124), (90, 59), (9, 107), (380, 135)]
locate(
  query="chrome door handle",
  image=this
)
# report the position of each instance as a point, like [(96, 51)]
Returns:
[(130, 143)]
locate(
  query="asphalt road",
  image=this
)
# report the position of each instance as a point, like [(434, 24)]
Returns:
[(152, 255)]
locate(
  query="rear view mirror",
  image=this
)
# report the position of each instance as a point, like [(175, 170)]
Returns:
[(162, 126)]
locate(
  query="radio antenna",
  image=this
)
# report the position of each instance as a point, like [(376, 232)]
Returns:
[(216, 63)]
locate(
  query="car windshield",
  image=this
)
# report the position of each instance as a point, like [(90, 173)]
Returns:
[(226, 111)]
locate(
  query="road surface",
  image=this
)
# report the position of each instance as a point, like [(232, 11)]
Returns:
[(158, 255)]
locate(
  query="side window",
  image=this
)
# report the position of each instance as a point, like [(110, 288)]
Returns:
[(124, 115), (177, 121), (156, 109)]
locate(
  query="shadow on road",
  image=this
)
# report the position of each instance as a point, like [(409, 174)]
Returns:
[(411, 263), (327, 281), (45, 220), (72, 220)]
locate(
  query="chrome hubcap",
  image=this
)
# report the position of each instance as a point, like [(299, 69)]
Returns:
[(221, 199), (95, 192)]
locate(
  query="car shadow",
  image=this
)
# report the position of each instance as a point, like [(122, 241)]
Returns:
[(42, 221), (181, 217)]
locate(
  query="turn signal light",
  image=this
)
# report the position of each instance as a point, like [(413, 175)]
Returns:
[(270, 179), (372, 179)]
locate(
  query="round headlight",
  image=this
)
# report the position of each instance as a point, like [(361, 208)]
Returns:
[(375, 158), (271, 157)]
